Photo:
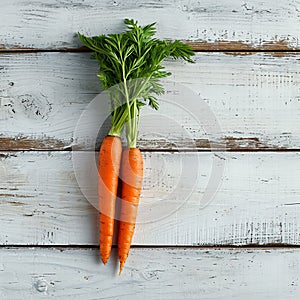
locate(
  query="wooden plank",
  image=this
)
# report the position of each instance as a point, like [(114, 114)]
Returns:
[(151, 274), (256, 201), (211, 24), (255, 100)]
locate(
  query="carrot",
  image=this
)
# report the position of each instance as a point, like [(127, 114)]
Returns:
[(110, 155), (132, 176), (109, 165)]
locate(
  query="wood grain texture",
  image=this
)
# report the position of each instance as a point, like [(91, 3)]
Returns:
[(189, 199), (255, 99), (151, 274), (212, 24), (257, 201)]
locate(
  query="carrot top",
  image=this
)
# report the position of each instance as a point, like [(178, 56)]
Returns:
[(130, 69)]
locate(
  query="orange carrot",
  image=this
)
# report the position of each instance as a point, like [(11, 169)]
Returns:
[(109, 165), (132, 176)]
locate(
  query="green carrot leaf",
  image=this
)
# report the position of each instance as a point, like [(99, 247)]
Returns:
[(132, 63)]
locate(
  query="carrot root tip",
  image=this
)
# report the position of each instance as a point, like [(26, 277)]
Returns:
[(104, 260), (121, 266)]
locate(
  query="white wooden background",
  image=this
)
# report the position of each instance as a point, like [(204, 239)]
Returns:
[(242, 244)]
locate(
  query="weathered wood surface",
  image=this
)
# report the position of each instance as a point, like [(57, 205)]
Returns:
[(257, 201), (233, 24), (255, 99), (151, 274)]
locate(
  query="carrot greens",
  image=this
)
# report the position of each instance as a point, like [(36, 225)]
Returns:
[(131, 68)]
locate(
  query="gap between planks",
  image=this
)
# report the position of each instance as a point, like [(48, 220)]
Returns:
[(179, 247), (182, 150), (235, 47), (229, 51)]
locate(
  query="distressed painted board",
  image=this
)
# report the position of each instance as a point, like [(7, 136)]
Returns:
[(238, 102), (151, 274), (257, 199), (212, 24)]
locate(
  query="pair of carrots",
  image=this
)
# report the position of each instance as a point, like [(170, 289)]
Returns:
[(129, 164), (130, 70)]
